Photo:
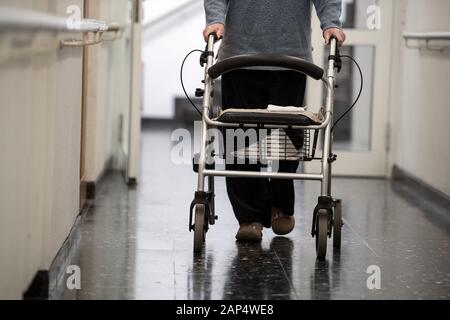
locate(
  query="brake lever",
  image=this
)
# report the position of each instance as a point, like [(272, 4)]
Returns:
[(336, 57), (206, 53), (204, 57), (338, 60)]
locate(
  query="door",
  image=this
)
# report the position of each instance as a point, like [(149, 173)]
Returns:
[(361, 138), (130, 84)]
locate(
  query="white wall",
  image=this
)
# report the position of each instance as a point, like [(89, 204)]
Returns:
[(420, 96), (154, 9), (40, 142), (164, 47), (40, 138)]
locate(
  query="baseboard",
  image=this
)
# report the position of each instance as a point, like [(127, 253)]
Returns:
[(152, 121), (50, 283), (91, 186), (38, 289), (155, 123), (132, 182), (90, 190), (420, 186)]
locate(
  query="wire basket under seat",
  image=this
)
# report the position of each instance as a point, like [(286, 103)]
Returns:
[(281, 144)]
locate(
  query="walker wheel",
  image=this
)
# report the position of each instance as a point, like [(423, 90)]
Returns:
[(321, 234), (337, 224), (199, 227)]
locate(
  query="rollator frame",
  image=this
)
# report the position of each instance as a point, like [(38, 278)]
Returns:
[(327, 215)]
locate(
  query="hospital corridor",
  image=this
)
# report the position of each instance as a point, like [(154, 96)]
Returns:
[(116, 185)]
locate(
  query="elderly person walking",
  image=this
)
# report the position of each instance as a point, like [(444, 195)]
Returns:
[(277, 27)]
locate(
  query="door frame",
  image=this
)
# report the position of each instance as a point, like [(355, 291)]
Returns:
[(372, 163), (84, 91), (134, 132)]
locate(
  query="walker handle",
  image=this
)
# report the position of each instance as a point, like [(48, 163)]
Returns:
[(333, 43), (209, 49), (212, 38), (334, 54), (213, 34)]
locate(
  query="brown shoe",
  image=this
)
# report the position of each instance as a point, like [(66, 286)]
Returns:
[(250, 232), (281, 223)]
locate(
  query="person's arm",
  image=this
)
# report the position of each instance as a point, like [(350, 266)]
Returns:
[(329, 12), (216, 12)]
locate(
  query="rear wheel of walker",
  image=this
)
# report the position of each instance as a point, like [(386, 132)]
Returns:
[(321, 234), (337, 224), (199, 227)]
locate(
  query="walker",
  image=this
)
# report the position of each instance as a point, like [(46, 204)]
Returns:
[(299, 143)]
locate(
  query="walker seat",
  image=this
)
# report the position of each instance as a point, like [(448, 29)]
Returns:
[(272, 115)]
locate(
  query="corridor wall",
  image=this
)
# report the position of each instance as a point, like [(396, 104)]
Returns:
[(420, 112), (40, 140)]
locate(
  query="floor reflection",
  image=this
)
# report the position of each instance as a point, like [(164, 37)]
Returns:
[(200, 277), (135, 244), (320, 281), (256, 273)]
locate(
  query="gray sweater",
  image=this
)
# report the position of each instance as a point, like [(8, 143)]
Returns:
[(270, 26)]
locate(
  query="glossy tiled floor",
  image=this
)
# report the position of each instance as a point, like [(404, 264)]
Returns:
[(134, 243)]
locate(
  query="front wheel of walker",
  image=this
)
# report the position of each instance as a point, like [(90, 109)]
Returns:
[(199, 228), (321, 234)]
